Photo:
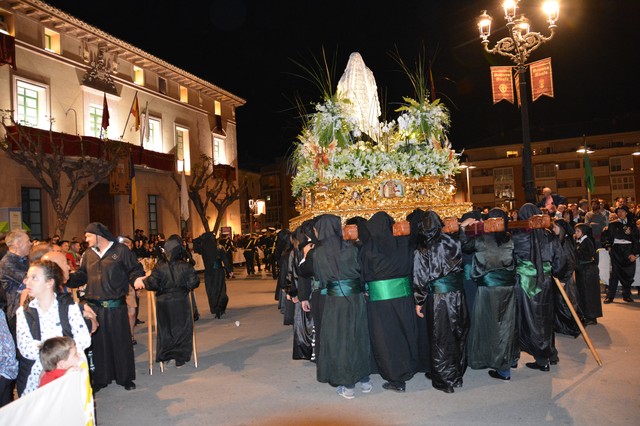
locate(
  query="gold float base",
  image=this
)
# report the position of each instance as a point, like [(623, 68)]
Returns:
[(395, 194)]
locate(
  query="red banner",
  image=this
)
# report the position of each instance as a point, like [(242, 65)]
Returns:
[(541, 79), (502, 84)]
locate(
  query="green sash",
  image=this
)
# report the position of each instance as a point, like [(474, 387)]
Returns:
[(527, 271), (343, 287), (389, 289), (446, 284), (498, 278)]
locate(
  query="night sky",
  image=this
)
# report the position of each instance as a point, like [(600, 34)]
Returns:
[(246, 47)]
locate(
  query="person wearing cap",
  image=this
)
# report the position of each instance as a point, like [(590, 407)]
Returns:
[(622, 240), (229, 248), (108, 269), (250, 253)]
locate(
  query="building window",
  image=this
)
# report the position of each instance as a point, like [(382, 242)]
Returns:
[(162, 85), (547, 170), (568, 165), (31, 104), (621, 164), (51, 41), (182, 150), (184, 94), (219, 153), (570, 183), (138, 75), (503, 174), (152, 205), (95, 121), (504, 190), (32, 210), (155, 135), (622, 183), (512, 154)]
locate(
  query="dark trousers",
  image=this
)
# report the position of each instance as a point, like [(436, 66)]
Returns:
[(6, 391), (622, 271), (249, 256)]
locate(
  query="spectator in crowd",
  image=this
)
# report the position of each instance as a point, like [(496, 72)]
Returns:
[(8, 361), (549, 198), (74, 255), (583, 208), (596, 221), (13, 269), (622, 239), (57, 356), (48, 315)]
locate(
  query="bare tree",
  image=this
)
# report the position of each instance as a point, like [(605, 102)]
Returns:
[(219, 190), (49, 156)]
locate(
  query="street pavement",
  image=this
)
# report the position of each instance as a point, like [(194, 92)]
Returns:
[(246, 376)]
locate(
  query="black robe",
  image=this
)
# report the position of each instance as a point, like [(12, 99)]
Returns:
[(393, 323), (109, 278), (588, 279), (214, 273), (173, 310), (564, 266), (438, 286)]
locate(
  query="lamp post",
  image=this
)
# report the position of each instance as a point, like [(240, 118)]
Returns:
[(467, 167), (517, 46), (585, 151)]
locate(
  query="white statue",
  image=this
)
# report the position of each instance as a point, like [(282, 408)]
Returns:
[(359, 86)]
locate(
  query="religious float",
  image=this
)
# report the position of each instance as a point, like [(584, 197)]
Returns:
[(348, 163)]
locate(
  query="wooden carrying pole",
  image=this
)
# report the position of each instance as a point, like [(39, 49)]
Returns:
[(575, 317), (193, 327), (150, 332)]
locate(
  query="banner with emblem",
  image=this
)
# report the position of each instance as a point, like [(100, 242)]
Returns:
[(541, 79), (502, 84), (119, 183)]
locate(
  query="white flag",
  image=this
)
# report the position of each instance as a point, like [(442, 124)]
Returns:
[(145, 126), (184, 198)]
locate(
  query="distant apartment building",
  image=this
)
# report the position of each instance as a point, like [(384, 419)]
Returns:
[(494, 174), (56, 70)]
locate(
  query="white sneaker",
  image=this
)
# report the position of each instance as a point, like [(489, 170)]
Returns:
[(366, 387), (345, 393)]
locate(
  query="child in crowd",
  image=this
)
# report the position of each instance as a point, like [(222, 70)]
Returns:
[(57, 355)]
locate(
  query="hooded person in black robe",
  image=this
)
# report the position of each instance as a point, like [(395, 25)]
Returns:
[(302, 320), (108, 269), (564, 267), (172, 279), (285, 304), (535, 251), (622, 239), (343, 358), (492, 339), (214, 272), (438, 288), (587, 275), (470, 285), (386, 268), (310, 296)]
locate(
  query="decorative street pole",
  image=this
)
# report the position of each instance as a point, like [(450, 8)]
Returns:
[(517, 46)]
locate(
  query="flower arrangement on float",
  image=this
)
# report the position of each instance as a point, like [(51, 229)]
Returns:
[(331, 147)]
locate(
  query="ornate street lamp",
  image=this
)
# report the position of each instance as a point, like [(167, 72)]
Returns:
[(517, 46), (468, 167)]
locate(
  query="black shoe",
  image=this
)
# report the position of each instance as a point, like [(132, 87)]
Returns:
[(134, 342), (196, 317), (397, 388), (129, 386), (496, 375), (446, 389), (427, 375), (608, 300), (96, 388), (590, 321), (628, 299), (536, 366), (138, 322), (554, 361)]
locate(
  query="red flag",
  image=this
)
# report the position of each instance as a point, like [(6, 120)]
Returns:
[(541, 78), (502, 84), (105, 113), (135, 110)]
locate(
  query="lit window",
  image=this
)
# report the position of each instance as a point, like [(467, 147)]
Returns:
[(217, 108), (503, 174), (182, 150), (31, 104), (512, 154), (155, 135), (219, 154), (547, 170), (95, 121), (138, 75), (184, 94), (51, 41)]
